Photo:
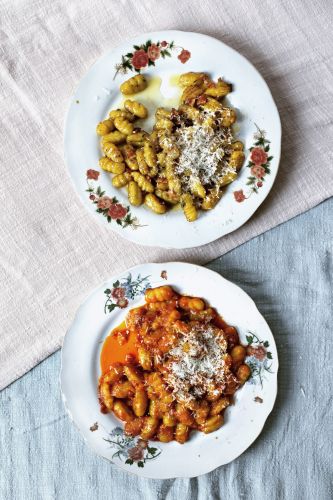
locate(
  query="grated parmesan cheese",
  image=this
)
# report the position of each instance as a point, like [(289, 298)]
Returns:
[(197, 362), (204, 152)]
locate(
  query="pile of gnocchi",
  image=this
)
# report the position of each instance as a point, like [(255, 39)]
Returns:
[(189, 156), (143, 392)]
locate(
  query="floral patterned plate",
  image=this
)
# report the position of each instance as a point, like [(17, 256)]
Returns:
[(165, 54), (104, 309)]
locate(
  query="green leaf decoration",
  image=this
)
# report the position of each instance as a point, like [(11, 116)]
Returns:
[(116, 284), (266, 148), (129, 54), (140, 464), (136, 47), (118, 221), (269, 355), (270, 158), (107, 291), (151, 63), (266, 343), (167, 53), (108, 218), (129, 461), (249, 339), (111, 307)]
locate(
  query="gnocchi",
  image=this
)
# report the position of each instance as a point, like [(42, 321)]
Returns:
[(147, 393), (112, 166), (133, 85), (105, 127), (189, 157), (134, 194), (157, 206), (124, 126), (121, 180), (136, 108)]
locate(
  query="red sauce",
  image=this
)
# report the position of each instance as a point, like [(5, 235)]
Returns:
[(118, 345)]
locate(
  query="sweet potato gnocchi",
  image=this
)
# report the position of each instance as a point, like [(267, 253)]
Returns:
[(189, 156), (182, 375)]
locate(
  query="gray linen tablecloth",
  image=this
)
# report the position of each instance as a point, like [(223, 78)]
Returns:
[(288, 272)]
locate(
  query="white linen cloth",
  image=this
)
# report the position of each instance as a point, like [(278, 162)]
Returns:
[(52, 252)]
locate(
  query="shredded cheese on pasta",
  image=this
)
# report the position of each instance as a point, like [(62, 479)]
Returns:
[(197, 362), (202, 152)]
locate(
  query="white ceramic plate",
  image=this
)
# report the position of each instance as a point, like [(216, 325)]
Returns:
[(81, 369), (98, 92)]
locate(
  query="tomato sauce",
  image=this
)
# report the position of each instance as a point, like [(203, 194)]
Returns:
[(118, 345)]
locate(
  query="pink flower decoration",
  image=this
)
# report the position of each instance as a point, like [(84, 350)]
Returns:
[(164, 275), (184, 56), (104, 202), (122, 303), (164, 43), (135, 453), (258, 156), (140, 59), (92, 197), (239, 196), (258, 171), (142, 444), (117, 211), (258, 352), (118, 293), (92, 174), (259, 184), (153, 52)]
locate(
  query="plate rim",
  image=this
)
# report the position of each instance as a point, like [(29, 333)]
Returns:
[(62, 368), (127, 235)]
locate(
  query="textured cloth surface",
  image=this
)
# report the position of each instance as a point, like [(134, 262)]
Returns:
[(288, 272), (51, 251)]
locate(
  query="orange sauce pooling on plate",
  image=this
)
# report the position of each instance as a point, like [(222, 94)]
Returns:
[(118, 345)]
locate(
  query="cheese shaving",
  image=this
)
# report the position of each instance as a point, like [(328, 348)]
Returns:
[(196, 364), (204, 152)]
